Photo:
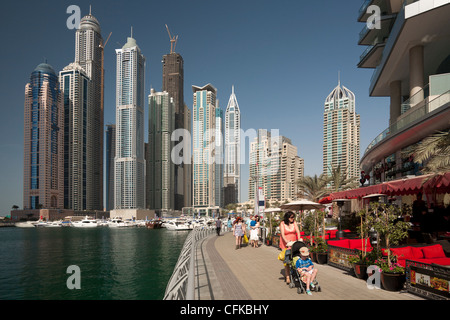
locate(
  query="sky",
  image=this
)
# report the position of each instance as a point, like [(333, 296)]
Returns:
[(283, 58)]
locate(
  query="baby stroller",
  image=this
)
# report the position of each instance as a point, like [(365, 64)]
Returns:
[(291, 257)]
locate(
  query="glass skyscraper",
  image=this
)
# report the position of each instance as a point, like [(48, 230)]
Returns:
[(130, 160), (204, 147), (43, 185), (89, 55), (161, 169), (76, 87)]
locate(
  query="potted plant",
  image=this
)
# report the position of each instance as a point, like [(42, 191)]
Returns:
[(361, 262), (392, 274), (391, 232), (321, 251)]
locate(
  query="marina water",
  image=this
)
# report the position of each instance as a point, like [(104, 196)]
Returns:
[(115, 264)]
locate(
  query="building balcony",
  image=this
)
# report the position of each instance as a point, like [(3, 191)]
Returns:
[(371, 57), (419, 22), (423, 119), (386, 7), (369, 36)]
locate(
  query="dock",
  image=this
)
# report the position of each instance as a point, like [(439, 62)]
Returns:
[(224, 273)]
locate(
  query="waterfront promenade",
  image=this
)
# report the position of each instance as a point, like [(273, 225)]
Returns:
[(224, 273)]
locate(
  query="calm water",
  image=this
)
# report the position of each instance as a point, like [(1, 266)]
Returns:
[(125, 264)]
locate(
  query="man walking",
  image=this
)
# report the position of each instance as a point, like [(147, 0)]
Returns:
[(218, 225)]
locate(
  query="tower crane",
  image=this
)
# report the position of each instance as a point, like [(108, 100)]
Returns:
[(173, 40)]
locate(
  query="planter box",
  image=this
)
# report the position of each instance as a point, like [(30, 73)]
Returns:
[(276, 241), (430, 281), (338, 257)]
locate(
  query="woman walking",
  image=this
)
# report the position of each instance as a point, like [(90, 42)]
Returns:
[(289, 232), (254, 230), (238, 231)]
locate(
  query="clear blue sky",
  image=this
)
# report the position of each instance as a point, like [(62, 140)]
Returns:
[(283, 57)]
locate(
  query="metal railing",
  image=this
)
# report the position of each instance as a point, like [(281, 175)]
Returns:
[(181, 285), (416, 114)]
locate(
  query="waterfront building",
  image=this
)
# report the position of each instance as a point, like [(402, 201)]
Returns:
[(341, 133), (43, 184), (129, 172), (75, 88), (275, 167), (410, 55), (232, 168), (204, 147), (173, 83), (89, 55), (160, 168), (110, 155)]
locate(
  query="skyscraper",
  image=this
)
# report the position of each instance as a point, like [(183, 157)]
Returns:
[(204, 146), (89, 55), (341, 133), (43, 185), (130, 161), (75, 87), (161, 169), (110, 155), (173, 83), (232, 168)]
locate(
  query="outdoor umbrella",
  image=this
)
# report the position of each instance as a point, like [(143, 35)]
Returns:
[(301, 205)]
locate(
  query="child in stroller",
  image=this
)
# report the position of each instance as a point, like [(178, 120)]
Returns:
[(303, 273)]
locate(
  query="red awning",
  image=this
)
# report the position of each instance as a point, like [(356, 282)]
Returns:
[(424, 184), (326, 200)]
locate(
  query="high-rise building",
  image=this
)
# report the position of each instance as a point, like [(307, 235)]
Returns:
[(232, 168), (43, 185), (218, 153), (129, 172), (110, 155), (341, 127), (173, 83), (275, 167), (89, 55), (75, 87), (204, 147), (410, 55), (160, 168)]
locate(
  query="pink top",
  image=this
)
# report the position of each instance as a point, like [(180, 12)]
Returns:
[(290, 233)]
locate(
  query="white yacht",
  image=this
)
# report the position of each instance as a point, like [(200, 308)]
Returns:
[(85, 223), (26, 224), (177, 226), (117, 223), (54, 224)]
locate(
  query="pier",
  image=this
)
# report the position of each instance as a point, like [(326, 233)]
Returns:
[(223, 273)]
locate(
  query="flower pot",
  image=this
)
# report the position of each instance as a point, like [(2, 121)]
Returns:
[(360, 270), (393, 281), (313, 256), (322, 257)]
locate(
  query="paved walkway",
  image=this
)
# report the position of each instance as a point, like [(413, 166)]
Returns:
[(224, 273)]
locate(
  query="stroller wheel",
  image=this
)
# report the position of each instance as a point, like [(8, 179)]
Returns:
[(299, 290), (291, 285)]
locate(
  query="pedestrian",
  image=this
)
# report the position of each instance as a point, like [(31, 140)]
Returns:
[(229, 224), (289, 232), (254, 237), (238, 231), (218, 225)]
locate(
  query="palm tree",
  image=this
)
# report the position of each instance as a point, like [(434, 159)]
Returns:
[(339, 179), (434, 153), (314, 188)]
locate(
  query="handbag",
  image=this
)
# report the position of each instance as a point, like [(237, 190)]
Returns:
[(245, 239)]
